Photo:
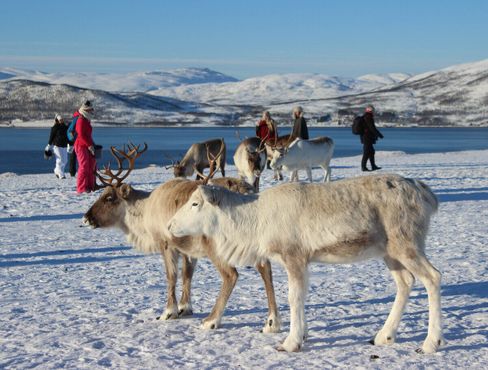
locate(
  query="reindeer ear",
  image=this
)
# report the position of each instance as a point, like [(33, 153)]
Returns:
[(211, 194), (125, 190)]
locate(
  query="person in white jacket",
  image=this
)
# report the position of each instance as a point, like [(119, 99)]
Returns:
[(58, 143)]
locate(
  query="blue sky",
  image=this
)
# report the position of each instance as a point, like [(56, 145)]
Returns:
[(243, 38)]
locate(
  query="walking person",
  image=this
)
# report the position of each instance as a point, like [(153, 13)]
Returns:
[(58, 143), (300, 129), (85, 149), (368, 138), (71, 158)]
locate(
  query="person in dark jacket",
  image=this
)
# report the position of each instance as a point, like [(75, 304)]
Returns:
[(368, 139), (300, 129), (58, 143)]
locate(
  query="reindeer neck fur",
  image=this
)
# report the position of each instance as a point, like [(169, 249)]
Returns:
[(133, 221), (188, 161), (236, 212)]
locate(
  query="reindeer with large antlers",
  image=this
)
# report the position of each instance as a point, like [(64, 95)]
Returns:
[(143, 216)]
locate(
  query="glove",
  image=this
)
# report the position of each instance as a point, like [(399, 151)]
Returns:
[(69, 149), (48, 148), (91, 149)]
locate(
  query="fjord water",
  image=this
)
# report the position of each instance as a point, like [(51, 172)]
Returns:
[(21, 149)]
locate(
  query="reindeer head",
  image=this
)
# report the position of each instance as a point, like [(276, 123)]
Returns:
[(199, 215), (256, 159), (109, 209), (277, 157)]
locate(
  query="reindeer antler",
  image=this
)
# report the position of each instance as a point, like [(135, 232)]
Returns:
[(107, 177), (212, 163)]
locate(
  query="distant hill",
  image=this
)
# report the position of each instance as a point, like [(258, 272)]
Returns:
[(457, 95), (123, 82)]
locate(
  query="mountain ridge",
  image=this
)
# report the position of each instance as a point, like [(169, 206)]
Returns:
[(455, 95)]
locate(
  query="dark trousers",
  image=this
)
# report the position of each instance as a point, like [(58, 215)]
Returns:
[(368, 153), (72, 163)]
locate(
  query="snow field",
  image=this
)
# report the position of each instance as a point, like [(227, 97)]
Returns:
[(72, 297)]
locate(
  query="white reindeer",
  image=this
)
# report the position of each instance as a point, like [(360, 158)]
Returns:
[(143, 216), (250, 160), (346, 221), (304, 154)]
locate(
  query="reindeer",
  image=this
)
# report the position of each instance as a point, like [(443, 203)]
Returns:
[(250, 160), (197, 157), (305, 154), (143, 216), (346, 221), (278, 143)]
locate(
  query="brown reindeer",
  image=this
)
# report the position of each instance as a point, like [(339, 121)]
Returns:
[(143, 216), (197, 158)]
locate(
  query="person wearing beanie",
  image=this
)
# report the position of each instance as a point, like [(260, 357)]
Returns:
[(85, 149), (58, 143), (368, 139), (300, 129)]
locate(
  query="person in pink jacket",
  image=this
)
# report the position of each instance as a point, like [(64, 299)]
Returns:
[(85, 149)]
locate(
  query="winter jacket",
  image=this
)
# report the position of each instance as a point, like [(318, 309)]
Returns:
[(263, 131), (59, 136), (300, 128), (83, 131), (371, 133)]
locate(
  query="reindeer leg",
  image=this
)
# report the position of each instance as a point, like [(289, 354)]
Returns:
[(422, 269), (297, 271), (170, 258), (404, 281), (256, 184), (188, 267), (327, 173), (309, 173), (273, 322), (229, 276)]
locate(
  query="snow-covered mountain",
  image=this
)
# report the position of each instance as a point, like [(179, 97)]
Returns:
[(271, 89), (122, 82), (457, 95)]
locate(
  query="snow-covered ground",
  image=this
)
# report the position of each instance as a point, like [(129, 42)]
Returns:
[(73, 297)]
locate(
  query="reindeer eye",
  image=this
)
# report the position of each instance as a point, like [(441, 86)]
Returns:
[(194, 204), (110, 198)]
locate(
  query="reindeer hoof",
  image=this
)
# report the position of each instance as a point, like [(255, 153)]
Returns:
[(185, 312), (273, 325), (210, 324), (168, 314), (282, 348), (289, 345)]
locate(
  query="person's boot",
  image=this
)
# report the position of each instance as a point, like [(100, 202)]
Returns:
[(363, 165), (374, 167)]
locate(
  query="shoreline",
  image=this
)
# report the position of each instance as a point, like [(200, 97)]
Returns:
[(48, 124)]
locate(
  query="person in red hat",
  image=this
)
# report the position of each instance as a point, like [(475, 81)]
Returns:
[(368, 138)]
